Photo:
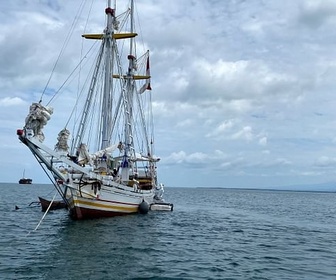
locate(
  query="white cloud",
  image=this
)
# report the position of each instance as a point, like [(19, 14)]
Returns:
[(263, 141), (11, 101), (245, 133), (222, 128), (325, 161)]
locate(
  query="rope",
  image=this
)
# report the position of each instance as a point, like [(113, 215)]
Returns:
[(65, 43), (51, 202)]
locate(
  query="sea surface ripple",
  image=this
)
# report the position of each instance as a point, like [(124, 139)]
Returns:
[(211, 234)]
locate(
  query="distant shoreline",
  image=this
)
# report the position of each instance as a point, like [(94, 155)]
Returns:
[(267, 189), (324, 189)]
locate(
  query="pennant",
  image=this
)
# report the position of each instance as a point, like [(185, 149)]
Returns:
[(147, 85)]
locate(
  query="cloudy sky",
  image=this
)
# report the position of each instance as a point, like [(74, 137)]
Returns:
[(244, 91)]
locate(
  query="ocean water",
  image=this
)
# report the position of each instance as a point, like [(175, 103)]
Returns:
[(211, 234)]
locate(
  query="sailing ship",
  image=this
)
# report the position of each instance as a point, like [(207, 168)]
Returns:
[(25, 180), (107, 165)]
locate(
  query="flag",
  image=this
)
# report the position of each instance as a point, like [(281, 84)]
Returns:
[(147, 85)]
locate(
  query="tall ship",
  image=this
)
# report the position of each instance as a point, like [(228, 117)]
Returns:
[(25, 180), (103, 162)]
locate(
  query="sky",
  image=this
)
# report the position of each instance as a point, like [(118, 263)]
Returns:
[(243, 91)]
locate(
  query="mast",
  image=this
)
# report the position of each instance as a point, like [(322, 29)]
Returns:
[(105, 49), (107, 59), (128, 104), (130, 87), (107, 96)]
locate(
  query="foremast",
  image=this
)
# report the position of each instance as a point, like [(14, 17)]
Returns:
[(108, 84), (106, 53)]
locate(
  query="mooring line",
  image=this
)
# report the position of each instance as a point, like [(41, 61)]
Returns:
[(45, 213)]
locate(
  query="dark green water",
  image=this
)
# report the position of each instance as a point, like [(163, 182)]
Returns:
[(211, 234)]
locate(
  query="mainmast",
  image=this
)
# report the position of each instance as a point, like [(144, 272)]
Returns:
[(108, 81), (130, 86), (128, 103)]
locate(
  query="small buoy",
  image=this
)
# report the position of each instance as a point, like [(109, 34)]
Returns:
[(143, 207)]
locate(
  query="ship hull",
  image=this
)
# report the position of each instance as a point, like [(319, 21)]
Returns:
[(91, 204), (51, 205), (25, 181)]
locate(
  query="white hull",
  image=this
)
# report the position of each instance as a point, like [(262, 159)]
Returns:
[(104, 205), (106, 202), (161, 207)]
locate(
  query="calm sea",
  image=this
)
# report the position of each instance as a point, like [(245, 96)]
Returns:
[(211, 234)]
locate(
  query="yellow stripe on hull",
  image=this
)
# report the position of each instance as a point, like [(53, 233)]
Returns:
[(105, 206)]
